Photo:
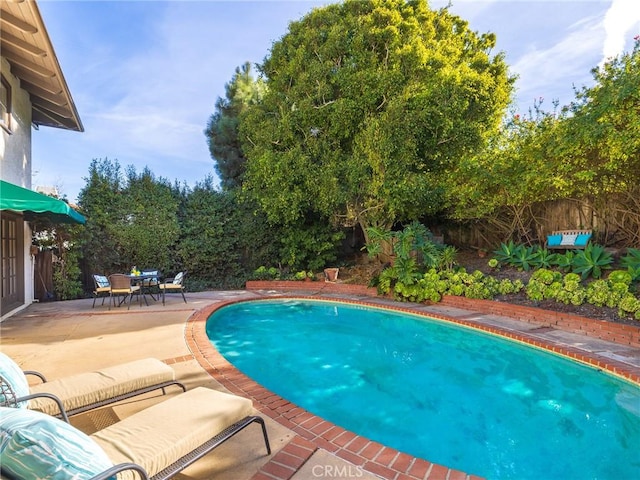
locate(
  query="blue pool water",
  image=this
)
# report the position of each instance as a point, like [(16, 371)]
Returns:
[(468, 400)]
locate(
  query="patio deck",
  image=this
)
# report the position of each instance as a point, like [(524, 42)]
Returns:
[(63, 338)]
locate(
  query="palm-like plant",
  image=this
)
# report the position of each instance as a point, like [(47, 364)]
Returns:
[(563, 261), (523, 258), (447, 258), (506, 252), (591, 261), (542, 258)]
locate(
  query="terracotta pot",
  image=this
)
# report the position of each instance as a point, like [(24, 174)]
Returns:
[(331, 274)]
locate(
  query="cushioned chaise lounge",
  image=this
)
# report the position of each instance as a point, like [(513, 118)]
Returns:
[(86, 391), (155, 443)]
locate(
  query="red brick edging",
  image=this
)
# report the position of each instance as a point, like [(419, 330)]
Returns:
[(314, 432), (623, 334), (312, 287)]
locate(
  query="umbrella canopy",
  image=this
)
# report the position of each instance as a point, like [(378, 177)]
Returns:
[(33, 205)]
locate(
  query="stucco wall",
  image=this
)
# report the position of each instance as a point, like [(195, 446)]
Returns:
[(15, 150), (15, 165)]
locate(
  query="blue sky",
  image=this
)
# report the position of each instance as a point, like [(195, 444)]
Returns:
[(145, 75)]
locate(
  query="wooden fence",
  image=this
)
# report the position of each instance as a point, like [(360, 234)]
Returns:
[(615, 222)]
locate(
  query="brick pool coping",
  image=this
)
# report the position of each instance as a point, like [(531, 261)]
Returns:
[(313, 432)]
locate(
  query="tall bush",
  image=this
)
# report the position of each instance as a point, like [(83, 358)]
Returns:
[(222, 239)]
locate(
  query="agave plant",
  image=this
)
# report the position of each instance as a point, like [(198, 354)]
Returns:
[(631, 259), (564, 261), (542, 258), (591, 261), (632, 262), (507, 252), (523, 258)]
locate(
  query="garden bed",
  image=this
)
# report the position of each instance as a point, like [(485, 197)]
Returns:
[(363, 273)]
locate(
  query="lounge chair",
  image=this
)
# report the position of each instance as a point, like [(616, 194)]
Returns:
[(175, 284), (86, 391), (102, 288), (156, 443)]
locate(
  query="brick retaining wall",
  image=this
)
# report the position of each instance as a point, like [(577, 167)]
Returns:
[(318, 287)]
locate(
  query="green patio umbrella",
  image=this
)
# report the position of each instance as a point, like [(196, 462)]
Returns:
[(35, 205)]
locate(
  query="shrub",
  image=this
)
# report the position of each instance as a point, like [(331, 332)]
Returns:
[(523, 258), (264, 273), (631, 259), (549, 285), (598, 293), (506, 286), (629, 306), (620, 276), (447, 258), (407, 284), (303, 275), (545, 276)]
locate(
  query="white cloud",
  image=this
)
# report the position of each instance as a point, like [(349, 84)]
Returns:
[(564, 64), (620, 19)]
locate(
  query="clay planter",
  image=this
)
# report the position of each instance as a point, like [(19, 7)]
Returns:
[(330, 274)]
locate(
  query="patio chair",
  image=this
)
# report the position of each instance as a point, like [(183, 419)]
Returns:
[(151, 282), (121, 286), (102, 288), (175, 284), (155, 443), (85, 391)]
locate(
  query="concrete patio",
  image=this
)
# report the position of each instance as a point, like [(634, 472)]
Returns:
[(63, 338)]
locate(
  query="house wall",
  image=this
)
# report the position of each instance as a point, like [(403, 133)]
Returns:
[(15, 151), (15, 167)]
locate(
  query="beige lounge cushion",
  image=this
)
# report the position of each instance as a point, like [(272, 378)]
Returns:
[(87, 388), (160, 435)]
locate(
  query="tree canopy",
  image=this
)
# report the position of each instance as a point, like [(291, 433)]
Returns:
[(222, 129), (368, 106), (588, 151)]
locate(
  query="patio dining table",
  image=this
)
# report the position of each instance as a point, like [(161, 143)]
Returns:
[(139, 280)]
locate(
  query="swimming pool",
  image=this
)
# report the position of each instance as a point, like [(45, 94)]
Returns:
[(448, 394)]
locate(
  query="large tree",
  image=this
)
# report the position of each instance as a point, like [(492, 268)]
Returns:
[(368, 105), (222, 129)]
